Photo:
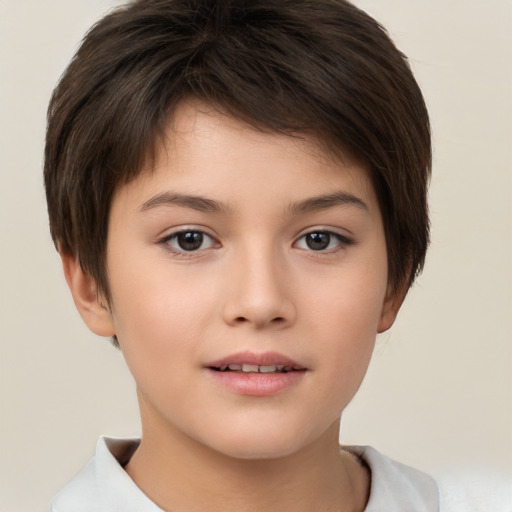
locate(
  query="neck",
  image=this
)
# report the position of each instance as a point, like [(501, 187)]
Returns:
[(180, 474)]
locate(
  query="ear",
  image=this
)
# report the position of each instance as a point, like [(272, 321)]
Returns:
[(390, 308), (96, 315)]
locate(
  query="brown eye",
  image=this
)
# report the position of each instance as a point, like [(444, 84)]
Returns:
[(189, 241), (322, 241), (318, 241)]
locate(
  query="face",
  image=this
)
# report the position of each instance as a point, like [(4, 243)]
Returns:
[(248, 275)]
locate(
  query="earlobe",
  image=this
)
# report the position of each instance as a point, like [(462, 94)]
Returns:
[(96, 315), (390, 308)]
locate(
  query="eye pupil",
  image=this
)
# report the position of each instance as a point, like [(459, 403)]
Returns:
[(318, 241), (190, 240)]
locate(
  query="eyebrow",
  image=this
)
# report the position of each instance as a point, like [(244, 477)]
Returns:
[(202, 204), (198, 203), (323, 202)]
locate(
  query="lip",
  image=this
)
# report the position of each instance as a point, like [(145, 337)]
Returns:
[(256, 384), (262, 359)]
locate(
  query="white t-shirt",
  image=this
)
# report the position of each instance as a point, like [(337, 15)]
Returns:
[(104, 486)]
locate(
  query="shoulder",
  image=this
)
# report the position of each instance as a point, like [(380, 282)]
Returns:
[(71, 497), (475, 490), (103, 485), (396, 487)]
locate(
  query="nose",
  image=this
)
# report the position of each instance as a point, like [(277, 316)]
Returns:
[(259, 292)]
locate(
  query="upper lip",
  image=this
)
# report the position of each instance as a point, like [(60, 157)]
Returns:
[(261, 359)]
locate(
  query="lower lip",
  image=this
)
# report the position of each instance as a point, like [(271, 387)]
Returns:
[(257, 384)]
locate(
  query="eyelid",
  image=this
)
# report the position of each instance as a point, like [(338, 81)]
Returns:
[(165, 239), (184, 228), (343, 239)]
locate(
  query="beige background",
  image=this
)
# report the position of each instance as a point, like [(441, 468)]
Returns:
[(438, 393)]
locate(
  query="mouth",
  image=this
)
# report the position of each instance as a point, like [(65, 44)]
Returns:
[(255, 368), (253, 374), (251, 362)]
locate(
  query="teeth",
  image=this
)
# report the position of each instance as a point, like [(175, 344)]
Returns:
[(250, 368), (254, 368)]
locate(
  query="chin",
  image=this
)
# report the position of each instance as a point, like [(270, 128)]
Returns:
[(259, 451), (273, 442)]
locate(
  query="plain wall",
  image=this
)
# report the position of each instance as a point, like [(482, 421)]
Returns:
[(438, 392)]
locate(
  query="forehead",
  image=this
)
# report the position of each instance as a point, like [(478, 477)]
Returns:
[(209, 128), (205, 151)]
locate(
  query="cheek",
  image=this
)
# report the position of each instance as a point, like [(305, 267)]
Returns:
[(345, 318), (159, 316), (349, 301)]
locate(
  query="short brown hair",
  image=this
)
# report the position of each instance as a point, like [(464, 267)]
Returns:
[(316, 67)]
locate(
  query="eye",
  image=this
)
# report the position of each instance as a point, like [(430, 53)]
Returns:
[(321, 241), (188, 241)]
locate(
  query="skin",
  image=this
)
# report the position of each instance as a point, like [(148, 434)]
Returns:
[(254, 285)]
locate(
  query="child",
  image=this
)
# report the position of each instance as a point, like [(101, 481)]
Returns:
[(237, 190)]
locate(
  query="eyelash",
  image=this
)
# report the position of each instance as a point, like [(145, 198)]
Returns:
[(168, 239), (342, 242)]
